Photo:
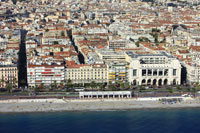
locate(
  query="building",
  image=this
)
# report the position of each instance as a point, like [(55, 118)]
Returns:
[(153, 69), (117, 71), (45, 74), (8, 74), (193, 72), (109, 55), (84, 73), (106, 94), (113, 44)]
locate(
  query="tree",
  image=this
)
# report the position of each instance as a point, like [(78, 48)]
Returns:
[(2, 81), (55, 85), (112, 87), (170, 90), (69, 84), (137, 43), (121, 85), (9, 87), (194, 91), (141, 88), (93, 84), (127, 85), (55, 42), (61, 84), (14, 82), (62, 33), (101, 86), (178, 88), (36, 89), (42, 85)]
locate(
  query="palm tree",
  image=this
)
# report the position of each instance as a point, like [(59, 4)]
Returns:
[(101, 86), (2, 82), (14, 82), (69, 84), (126, 85), (194, 91), (92, 84), (9, 87), (178, 88)]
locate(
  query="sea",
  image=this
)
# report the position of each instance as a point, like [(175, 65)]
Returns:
[(185, 120)]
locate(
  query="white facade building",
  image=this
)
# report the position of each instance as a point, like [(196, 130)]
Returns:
[(153, 69), (45, 74), (193, 72)]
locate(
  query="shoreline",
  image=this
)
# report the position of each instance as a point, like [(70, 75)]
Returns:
[(63, 105)]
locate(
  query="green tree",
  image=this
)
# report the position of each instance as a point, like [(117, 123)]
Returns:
[(2, 81), (137, 43), (69, 84), (170, 90), (178, 88), (62, 33), (55, 42), (61, 85), (127, 85), (9, 87), (121, 85), (36, 89), (194, 91), (93, 84), (141, 88), (101, 86), (112, 87), (42, 85), (54, 85)]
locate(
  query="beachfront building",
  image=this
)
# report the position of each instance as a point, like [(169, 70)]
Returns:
[(153, 69), (8, 74), (117, 72), (85, 73), (193, 72), (45, 74), (105, 94)]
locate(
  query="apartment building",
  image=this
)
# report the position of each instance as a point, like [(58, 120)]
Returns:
[(45, 74), (8, 74), (109, 55), (117, 71), (153, 69), (117, 44), (84, 73), (193, 72)]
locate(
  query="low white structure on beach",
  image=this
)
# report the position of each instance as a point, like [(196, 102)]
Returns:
[(105, 94)]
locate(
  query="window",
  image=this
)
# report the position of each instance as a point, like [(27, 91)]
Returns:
[(166, 72), (154, 72), (143, 72), (134, 72), (160, 72), (149, 72), (174, 72)]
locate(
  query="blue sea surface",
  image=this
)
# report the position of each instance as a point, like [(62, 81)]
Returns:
[(134, 121)]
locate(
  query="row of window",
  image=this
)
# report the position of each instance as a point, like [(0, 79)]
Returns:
[(87, 70), (155, 72)]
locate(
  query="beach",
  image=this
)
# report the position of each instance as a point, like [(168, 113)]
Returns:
[(48, 105)]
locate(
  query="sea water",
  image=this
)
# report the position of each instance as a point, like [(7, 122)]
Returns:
[(134, 121)]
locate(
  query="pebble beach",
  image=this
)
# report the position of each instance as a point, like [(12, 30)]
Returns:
[(48, 105)]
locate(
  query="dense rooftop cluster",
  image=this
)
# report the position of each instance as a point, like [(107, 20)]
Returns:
[(99, 34)]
